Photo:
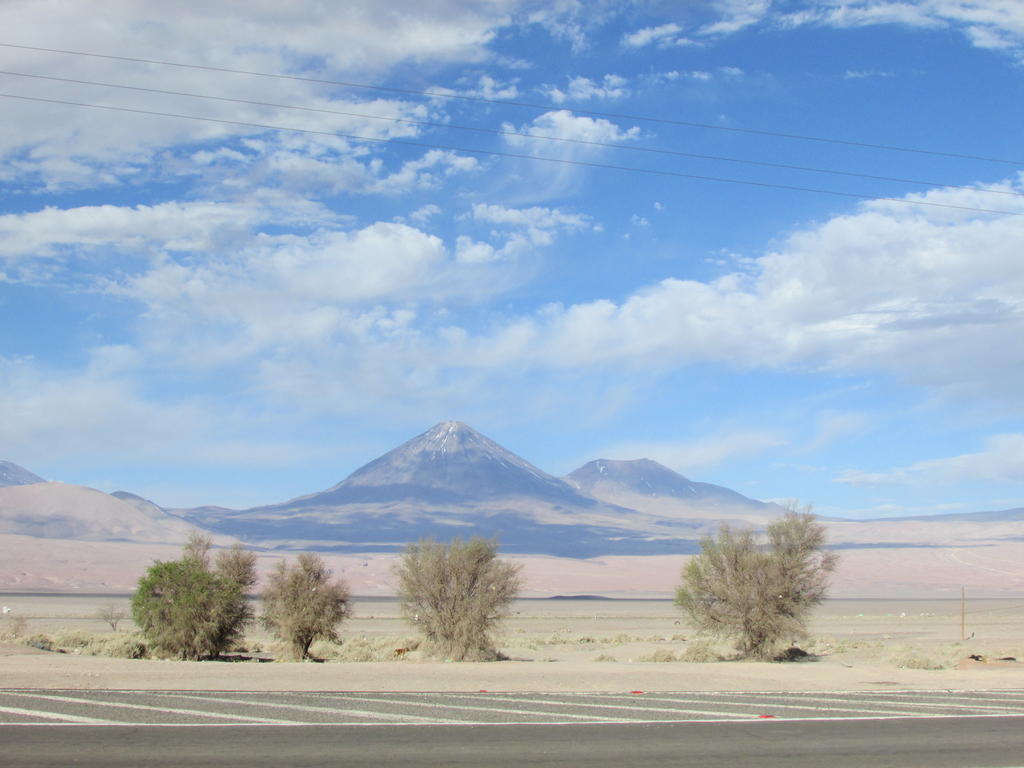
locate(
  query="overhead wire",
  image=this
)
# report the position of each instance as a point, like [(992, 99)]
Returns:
[(520, 104), (521, 134), (497, 153)]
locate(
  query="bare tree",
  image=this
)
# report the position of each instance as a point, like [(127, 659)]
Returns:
[(455, 594), (757, 590), (301, 603), (112, 614)]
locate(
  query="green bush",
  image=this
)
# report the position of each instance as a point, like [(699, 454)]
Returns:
[(187, 610)]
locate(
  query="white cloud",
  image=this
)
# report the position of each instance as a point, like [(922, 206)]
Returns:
[(736, 15), (663, 36), (931, 296), (425, 213), (1001, 461), (540, 222), (169, 226), (54, 145), (489, 88), (470, 251), (993, 24), (583, 89), (862, 74), (563, 124)]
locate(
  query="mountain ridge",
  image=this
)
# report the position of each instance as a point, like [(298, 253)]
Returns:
[(12, 474)]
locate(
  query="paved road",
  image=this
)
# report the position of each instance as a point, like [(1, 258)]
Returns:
[(122, 728)]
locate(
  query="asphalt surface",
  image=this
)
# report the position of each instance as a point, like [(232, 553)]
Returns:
[(836, 729)]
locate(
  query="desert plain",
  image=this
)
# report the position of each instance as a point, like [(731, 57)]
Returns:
[(560, 645)]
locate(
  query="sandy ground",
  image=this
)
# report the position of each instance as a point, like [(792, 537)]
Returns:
[(575, 645)]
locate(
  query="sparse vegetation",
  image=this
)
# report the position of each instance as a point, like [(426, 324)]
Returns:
[(661, 655), (112, 613), (455, 595), (16, 627), (117, 645), (301, 604), (759, 593), (189, 611)]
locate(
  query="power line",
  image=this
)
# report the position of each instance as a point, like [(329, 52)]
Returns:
[(522, 134), (495, 153), (521, 104)]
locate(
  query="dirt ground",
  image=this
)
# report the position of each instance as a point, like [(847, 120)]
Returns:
[(563, 645)]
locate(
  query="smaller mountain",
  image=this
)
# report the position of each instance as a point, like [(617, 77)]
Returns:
[(606, 477), (12, 474)]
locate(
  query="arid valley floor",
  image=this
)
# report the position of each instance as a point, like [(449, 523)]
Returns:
[(562, 645)]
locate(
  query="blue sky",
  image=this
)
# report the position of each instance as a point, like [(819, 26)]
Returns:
[(207, 310)]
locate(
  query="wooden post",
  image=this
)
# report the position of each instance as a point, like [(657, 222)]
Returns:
[(963, 614)]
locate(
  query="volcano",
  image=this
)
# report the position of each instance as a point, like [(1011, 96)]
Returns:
[(449, 481)]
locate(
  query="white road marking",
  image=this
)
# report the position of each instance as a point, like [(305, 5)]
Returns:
[(145, 707), (674, 710), (54, 716), (830, 702), (909, 704), (504, 710), (768, 706), (305, 708), (1011, 697)]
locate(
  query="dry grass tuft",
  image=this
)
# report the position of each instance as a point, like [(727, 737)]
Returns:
[(700, 652)]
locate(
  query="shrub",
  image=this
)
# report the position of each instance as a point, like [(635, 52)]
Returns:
[(759, 593), (72, 639), (118, 646), (455, 595), (301, 604), (913, 659), (188, 611)]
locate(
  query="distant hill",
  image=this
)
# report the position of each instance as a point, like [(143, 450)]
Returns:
[(1000, 516), (59, 511), (12, 474)]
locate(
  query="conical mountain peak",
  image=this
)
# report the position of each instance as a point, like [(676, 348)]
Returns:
[(450, 461)]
